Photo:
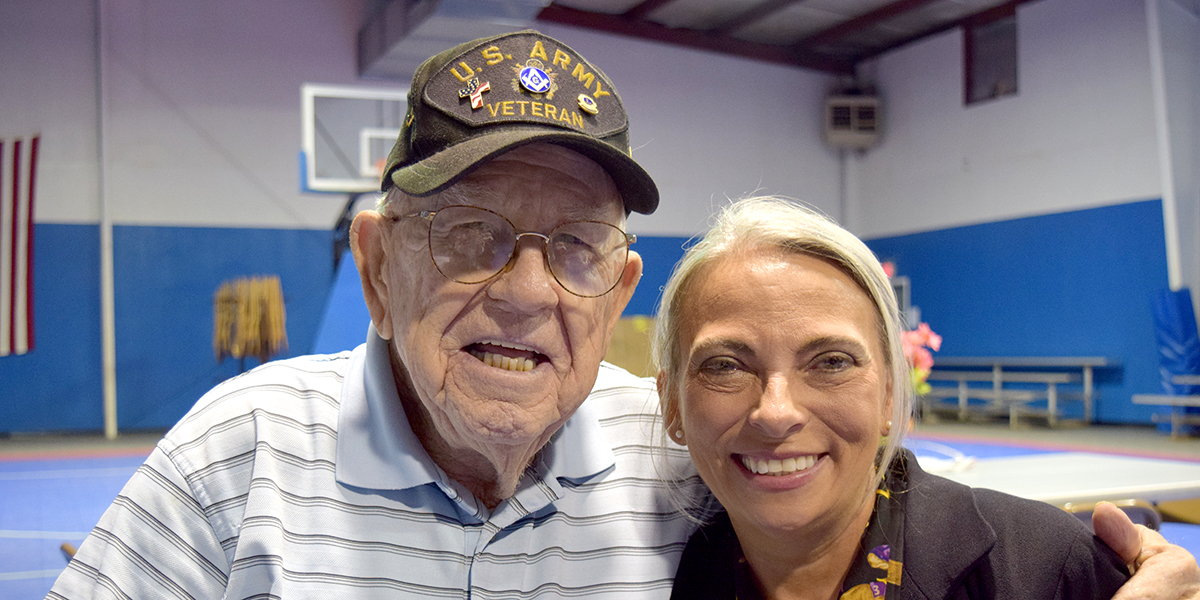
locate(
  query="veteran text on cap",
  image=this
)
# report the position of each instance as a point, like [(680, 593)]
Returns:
[(480, 99)]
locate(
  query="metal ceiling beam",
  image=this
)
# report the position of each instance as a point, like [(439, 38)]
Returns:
[(645, 8), (638, 28), (754, 14), (401, 34), (984, 15), (861, 22)]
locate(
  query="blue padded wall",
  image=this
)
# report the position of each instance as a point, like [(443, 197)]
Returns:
[(659, 255), (1076, 283), (57, 385), (1079, 283), (165, 278)]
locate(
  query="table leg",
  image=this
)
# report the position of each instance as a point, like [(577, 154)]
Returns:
[(1087, 394), (998, 384), (1052, 400), (962, 400)]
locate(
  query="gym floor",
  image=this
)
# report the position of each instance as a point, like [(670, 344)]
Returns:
[(53, 488)]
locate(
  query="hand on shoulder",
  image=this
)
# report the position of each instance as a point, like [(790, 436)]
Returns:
[(1161, 571)]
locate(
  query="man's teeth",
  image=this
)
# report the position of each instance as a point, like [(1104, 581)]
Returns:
[(504, 362), (778, 467), (507, 363)]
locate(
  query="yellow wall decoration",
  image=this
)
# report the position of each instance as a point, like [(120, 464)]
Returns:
[(249, 318)]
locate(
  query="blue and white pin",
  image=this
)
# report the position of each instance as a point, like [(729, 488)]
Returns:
[(533, 78), (588, 105)]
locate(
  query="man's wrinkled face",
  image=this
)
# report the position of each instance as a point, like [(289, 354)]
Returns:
[(505, 361)]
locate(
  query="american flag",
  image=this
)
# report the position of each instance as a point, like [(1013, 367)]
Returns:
[(18, 170)]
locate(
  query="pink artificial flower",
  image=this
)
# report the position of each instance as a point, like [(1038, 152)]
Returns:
[(922, 360), (929, 338), (889, 268), (917, 344)]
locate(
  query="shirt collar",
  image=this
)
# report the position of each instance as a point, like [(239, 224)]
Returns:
[(377, 449)]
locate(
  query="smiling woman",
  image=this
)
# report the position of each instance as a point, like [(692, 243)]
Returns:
[(782, 371)]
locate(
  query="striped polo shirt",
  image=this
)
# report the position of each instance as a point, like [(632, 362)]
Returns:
[(303, 479)]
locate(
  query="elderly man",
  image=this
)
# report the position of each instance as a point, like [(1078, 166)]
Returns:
[(452, 455)]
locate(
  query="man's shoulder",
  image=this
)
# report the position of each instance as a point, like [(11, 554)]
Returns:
[(299, 375), (618, 392), (300, 390)]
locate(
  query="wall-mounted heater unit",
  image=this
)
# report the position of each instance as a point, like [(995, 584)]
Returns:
[(852, 121)]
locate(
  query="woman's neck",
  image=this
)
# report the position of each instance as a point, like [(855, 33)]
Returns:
[(808, 564)]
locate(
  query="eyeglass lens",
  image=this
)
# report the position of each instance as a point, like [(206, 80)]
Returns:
[(470, 245)]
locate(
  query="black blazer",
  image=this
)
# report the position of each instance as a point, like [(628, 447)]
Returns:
[(959, 543)]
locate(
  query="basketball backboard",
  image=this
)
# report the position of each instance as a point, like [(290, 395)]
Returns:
[(347, 134)]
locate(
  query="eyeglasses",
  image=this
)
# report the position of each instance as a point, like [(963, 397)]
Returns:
[(472, 245)]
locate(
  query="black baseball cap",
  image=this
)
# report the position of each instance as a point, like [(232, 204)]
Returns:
[(480, 99)]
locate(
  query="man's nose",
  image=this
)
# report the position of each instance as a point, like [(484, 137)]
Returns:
[(526, 282), (780, 410)]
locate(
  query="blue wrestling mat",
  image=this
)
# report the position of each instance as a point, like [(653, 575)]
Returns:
[(45, 503)]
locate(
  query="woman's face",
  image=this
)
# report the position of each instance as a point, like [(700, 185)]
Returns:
[(784, 393)]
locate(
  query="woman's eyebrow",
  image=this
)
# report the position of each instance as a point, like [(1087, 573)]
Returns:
[(829, 341), (724, 344)]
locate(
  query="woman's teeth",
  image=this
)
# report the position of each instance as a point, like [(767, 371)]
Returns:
[(778, 467)]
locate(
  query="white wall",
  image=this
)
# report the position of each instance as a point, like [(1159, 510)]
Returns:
[(202, 127), (47, 86), (203, 102), (202, 117), (200, 112), (1179, 42), (709, 127), (1079, 133)]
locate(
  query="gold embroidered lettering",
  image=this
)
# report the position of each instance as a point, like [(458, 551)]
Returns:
[(561, 59), (463, 78), (506, 108), (600, 92), (492, 108), (550, 111), (492, 55), (577, 120), (522, 103), (535, 109), (538, 51), (583, 76)]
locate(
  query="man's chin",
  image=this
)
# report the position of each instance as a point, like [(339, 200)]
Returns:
[(502, 432)]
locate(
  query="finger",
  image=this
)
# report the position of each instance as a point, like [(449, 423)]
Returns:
[(1165, 572), (1113, 526)]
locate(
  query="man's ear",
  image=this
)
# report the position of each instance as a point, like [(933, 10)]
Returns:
[(625, 288), (668, 396), (371, 258)]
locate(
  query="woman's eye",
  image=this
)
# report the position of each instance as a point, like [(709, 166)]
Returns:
[(719, 365), (722, 374), (834, 361)]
